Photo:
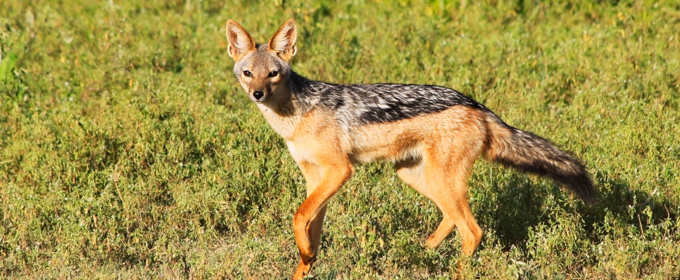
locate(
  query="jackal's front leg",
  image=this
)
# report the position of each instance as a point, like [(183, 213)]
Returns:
[(308, 218), (312, 174)]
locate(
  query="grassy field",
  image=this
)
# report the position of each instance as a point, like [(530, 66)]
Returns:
[(128, 149)]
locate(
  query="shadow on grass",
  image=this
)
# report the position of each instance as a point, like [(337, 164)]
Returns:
[(523, 204)]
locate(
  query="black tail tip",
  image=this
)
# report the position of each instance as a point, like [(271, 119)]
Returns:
[(590, 199), (587, 192)]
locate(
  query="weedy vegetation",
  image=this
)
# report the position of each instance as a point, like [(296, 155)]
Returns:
[(128, 149)]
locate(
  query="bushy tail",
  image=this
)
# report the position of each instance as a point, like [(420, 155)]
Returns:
[(530, 153)]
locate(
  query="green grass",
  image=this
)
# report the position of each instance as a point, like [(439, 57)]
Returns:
[(128, 149)]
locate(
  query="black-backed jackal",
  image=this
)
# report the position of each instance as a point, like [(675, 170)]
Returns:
[(432, 134)]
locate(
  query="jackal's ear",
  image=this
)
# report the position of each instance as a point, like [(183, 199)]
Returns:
[(283, 41), (240, 41)]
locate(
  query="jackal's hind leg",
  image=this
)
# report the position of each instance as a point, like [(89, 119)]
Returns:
[(446, 173), (412, 173)]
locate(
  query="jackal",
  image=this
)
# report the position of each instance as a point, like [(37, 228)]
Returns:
[(433, 135)]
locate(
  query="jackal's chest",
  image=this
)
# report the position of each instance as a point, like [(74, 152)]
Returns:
[(283, 125)]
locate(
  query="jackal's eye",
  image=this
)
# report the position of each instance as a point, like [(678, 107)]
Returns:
[(247, 73), (273, 73)]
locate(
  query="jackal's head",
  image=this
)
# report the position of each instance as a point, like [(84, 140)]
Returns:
[(263, 70)]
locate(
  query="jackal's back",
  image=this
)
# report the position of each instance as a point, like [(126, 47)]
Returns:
[(378, 103)]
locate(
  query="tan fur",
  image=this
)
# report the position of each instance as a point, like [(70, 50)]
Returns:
[(240, 42), (283, 41), (434, 153)]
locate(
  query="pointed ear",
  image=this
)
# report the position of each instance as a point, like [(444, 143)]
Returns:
[(240, 41), (283, 41)]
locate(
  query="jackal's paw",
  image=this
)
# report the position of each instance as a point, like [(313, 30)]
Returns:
[(429, 243), (303, 270)]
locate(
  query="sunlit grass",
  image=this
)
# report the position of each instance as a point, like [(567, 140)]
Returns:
[(128, 150)]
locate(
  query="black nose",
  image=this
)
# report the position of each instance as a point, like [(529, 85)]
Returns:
[(258, 95)]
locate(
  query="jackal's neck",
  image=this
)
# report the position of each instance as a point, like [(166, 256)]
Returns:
[(305, 93), (284, 111)]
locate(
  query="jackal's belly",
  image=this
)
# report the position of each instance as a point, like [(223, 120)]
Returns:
[(385, 142), (406, 139)]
